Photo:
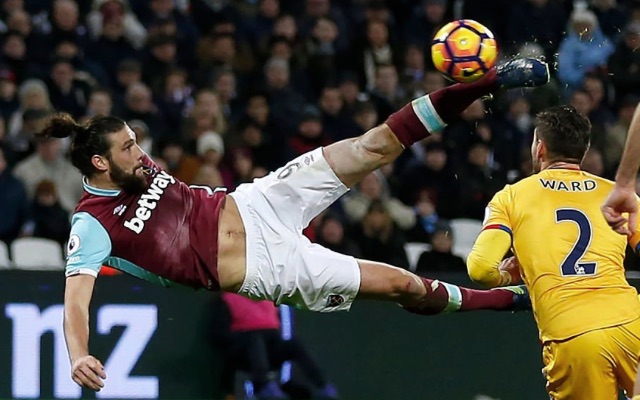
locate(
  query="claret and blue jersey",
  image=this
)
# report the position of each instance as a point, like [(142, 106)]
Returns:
[(166, 235)]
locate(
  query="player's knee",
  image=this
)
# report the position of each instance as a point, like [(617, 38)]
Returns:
[(379, 144), (406, 285)]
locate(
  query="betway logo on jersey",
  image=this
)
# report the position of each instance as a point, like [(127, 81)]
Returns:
[(148, 201)]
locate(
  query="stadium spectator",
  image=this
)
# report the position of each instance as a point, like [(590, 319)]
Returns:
[(174, 97), (112, 47), (68, 93), (315, 9), (100, 103), (612, 17), (433, 80), (375, 51), (617, 134), (50, 220), (8, 94), (582, 101), (365, 117), (86, 69), (179, 163), (350, 90), (584, 49), (624, 63), (139, 105), (440, 258), (166, 9), (335, 121), (514, 131), (261, 25), (203, 18), (13, 201), (310, 133), (540, 21), (593, 163), (48, 163), (64, 23), (413, 72), (387, 94), (22, 145), (225, 86), (379, 238), (14, 55), (427, 218), (478, 180), (374, 188), (36, 46), (161, 59), (323, 55), (208, 175), (331, 232), (32, 94), (128, 72), (422, 26), (103, 10), (432, 174)]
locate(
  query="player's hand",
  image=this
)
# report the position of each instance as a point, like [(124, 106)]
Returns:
[(512, 267), (88, 372), (622, 199)]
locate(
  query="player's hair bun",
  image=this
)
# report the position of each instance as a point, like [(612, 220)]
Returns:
[(60, 126)]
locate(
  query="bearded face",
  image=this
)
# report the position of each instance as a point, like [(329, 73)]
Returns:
[(132, 181)]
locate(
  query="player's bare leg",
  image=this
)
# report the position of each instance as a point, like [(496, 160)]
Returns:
[(428, 297), (353, 159)]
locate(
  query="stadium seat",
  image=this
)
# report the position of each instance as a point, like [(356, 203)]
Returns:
[(414, 250), (462, 251), (37, 254), (465, 232), (5, 262)]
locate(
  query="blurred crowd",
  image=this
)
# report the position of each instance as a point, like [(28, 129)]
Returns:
[(223, 91)]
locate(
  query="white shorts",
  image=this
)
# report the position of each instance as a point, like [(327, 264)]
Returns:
[(282, 264)]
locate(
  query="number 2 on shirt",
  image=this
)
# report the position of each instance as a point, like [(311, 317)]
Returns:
[(573, 265)]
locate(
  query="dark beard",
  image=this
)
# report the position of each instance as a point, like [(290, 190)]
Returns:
[(130, 183)]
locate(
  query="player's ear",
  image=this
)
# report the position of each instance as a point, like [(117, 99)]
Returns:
[(541, 149), (100, 163)]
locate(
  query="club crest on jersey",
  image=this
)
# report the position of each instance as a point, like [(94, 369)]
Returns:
[(148, 201), (149, 171), (119, 210), (334, 300)]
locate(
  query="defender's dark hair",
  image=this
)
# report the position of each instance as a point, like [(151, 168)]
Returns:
[(565, 132), (87, 140)]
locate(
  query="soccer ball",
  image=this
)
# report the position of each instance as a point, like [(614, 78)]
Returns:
[(464, 50)]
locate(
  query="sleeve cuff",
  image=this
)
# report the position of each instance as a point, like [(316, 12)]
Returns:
[(498, 226), (82, 271)]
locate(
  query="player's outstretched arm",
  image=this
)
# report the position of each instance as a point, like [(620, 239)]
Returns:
[(86, 370), (622, 198)]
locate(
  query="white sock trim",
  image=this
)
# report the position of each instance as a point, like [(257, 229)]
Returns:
[(426, 112), (455, 298)]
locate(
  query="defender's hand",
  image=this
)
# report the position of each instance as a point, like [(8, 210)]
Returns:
[(622, 199), (88, 372), (511, 267)]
